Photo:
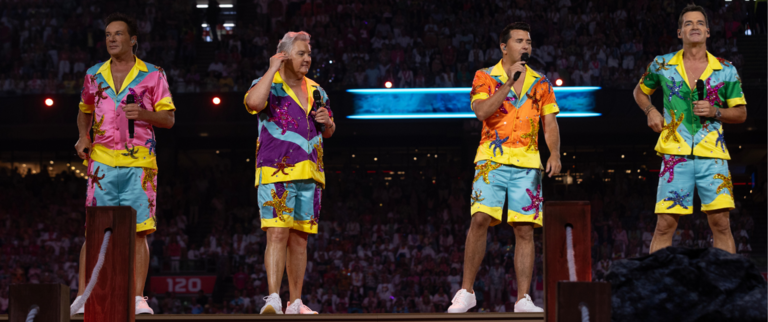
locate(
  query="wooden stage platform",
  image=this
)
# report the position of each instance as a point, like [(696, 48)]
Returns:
[(425, 317)]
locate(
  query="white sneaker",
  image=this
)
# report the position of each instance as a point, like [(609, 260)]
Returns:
[(142, 307), (274, 305), (82, 308), (298, 308), (526, 305), (462, 302)]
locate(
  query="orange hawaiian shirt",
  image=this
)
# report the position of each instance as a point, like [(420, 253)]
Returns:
[(510, 135)]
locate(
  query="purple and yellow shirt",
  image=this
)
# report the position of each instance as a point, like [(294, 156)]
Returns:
[(289, 146), (111, 143)]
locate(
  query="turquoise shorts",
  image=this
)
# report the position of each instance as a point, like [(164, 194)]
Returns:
[(520, 187), (681, 173), (293, 204), (124, 186)]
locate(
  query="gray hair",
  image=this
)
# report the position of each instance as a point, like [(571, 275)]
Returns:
[(286, 44)]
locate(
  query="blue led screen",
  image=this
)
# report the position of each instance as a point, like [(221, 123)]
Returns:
[(427, 103)]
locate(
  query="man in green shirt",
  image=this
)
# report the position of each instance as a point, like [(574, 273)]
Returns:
[(691, 142)]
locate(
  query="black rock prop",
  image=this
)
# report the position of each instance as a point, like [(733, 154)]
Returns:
[(681, 284)]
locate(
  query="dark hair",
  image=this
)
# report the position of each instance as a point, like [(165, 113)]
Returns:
[(504, 35), (692, 8), (119, 16)]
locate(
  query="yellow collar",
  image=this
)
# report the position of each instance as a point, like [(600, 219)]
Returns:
[(106, 72), (311, 87), (530, 77), (712, 65)]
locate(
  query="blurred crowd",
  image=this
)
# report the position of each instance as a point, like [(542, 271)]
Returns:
[(47, 45), (387, 242)]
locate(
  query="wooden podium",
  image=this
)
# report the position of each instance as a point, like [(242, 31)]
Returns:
[(561, 296), (52, 300), (113, 298)]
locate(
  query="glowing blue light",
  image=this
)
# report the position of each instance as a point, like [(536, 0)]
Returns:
[(444, 116), (410, 90), (451, 102), (452, 90)]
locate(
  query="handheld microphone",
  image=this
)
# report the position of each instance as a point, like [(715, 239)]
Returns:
[(523, 58), (700, 89), (318, 102), (130, 100)]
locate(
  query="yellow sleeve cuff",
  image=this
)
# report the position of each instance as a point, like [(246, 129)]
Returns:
[(551, 108), (252, 111), (646, 90), (86, 108), (478, 96), (736, 101), (165, 104)]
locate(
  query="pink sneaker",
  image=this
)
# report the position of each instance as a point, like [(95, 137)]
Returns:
[(298, 308)]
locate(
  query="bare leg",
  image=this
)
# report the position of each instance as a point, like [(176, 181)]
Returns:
[(296, 265), (666, 224), (524, 257), (81, 272), (719, 222), (474, 250), (141, 264), (274, 256)]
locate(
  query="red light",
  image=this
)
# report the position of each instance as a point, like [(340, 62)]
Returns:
[(49, 102), (559, 82), (388, 84), (216, 100)]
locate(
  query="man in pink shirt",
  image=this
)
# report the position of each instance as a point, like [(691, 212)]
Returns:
[(122, 169)]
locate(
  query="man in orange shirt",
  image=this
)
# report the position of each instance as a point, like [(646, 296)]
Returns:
[(507, 162)]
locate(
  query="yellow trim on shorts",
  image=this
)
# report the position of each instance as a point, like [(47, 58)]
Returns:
[(661, 208), (147, 227), (516, 217), (303, 225), (722, 201), (494, 212)]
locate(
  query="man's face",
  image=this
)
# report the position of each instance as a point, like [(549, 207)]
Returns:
[(694, 30), (118, 39), (299, 59), (519, 42)]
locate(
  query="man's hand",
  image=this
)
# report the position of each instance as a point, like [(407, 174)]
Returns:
[(322, 116), (704, 109), (655, 121), (276, 61), (516, 67), (83, 143), (553, 165), (134, 112)]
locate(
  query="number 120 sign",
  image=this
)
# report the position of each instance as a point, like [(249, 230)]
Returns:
[(182, 284)]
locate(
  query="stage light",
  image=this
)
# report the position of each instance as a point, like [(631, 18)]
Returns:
[(216, 100), (49, 102), (388, 84), (559, 82)]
